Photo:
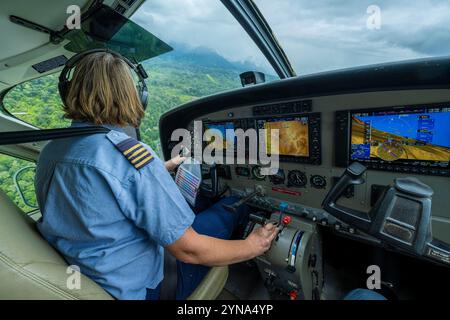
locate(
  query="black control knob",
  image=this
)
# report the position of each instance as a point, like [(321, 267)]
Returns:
[(269, 280)]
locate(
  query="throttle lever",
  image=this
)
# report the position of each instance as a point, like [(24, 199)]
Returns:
[(233, 207)]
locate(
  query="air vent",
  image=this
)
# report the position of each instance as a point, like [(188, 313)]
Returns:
[(50, 64), (122, 6), (129, 3), (120, 9)]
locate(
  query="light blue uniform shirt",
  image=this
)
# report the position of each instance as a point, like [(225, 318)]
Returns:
[(107, 217)]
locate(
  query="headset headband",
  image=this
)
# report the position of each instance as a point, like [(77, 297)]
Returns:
[(64, 82)]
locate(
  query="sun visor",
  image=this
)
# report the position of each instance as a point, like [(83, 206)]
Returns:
[(106, 28)]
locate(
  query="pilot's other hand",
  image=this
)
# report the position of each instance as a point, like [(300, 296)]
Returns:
[(173, 163), (261, 239)]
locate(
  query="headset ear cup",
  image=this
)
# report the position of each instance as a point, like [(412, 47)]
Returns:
[(143, 93), (63, 88), (144, 98)]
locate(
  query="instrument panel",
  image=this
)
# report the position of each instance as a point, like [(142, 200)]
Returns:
[(394, 133)]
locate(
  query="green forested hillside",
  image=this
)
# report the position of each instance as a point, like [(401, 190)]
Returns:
[(173, 80), (174, 83)]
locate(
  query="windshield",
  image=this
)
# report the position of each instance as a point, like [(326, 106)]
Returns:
[(202, 29), (210, 50), (328, 34)]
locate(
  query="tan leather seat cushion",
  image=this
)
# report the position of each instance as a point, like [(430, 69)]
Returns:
[(29, 267)]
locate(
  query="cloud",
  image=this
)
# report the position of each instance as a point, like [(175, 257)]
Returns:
[(200, 23), (317, 35)]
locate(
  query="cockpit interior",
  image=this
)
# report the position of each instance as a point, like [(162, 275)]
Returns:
[(360, 190)]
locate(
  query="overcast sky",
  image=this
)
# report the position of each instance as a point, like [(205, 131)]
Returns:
[(317, 35)]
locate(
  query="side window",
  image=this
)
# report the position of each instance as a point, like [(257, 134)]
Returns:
[(17, 181), (37, 102)]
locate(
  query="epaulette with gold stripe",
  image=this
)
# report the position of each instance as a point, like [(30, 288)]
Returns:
[(135, 152)]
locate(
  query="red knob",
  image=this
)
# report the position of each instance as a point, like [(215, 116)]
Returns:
[(287, 220), (293, 295)]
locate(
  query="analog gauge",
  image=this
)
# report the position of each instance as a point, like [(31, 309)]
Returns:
[(297, 179), (278, 178), (318, 182), (256, 173)]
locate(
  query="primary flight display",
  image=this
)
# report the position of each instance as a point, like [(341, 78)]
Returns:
[(416, 134)]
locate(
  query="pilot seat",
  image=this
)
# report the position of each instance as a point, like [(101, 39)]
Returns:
[(30, 269)]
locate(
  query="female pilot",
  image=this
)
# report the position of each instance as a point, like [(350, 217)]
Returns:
[(109, 204)]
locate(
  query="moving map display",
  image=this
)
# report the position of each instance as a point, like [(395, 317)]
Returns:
[(293, 135), (410, 135)]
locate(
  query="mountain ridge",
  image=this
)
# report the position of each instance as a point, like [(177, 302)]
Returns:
[(201, 56)]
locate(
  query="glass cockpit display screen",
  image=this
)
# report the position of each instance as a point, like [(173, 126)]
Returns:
[(409, 135), (227, 142), (293, 135)]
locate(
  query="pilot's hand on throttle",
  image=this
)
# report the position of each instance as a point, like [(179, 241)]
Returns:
[(173, 163), (261, 239)]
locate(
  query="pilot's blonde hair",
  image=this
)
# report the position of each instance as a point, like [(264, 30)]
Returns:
[(103, 91)]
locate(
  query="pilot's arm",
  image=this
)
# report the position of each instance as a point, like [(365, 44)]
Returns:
[(155, 204), (199, 249)]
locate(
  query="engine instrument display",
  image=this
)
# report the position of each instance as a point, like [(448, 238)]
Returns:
[(293, 135), (298, 137)]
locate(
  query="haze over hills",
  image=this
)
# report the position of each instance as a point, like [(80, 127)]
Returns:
[(202, 56)]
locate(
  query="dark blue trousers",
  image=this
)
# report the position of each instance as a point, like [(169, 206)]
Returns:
[(216, 222)]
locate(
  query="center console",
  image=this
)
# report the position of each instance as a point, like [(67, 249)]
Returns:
[(293, 265)]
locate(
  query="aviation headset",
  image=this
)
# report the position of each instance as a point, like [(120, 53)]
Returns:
[(64, 82)]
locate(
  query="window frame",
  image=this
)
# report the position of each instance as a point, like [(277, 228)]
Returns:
[(32, 161), (3, 94)]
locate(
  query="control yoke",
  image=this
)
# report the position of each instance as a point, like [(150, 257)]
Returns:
[(400, 217), (353, 175)]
